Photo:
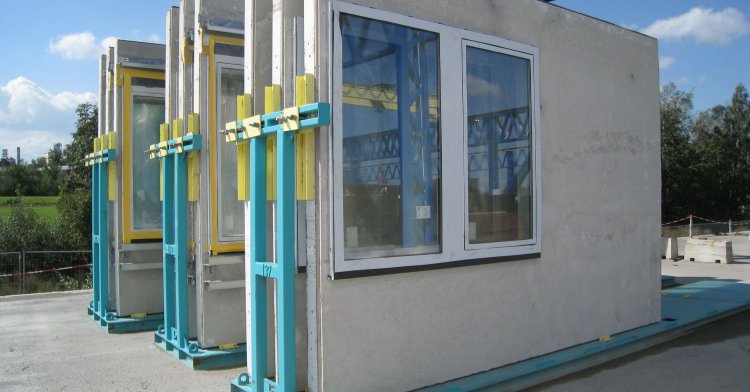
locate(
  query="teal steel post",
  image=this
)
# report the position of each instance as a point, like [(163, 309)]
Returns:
[(258, 293), (95, 237), (168, 239), (180, 249), (103, 237), (285, 240)]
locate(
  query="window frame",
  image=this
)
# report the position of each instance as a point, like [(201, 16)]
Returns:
[(151, 93), (534, 157), (222, 63), (454, 247)]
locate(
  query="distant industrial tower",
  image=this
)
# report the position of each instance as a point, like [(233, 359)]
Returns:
[(4, 155), (18, 155)]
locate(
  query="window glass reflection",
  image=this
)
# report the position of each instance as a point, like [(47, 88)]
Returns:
[(231, 210), (148, 114), (391, 142), (499, 144)]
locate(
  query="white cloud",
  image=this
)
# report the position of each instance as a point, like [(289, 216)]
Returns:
[(630, 26), (33, 118), (481, 87), (703, 25), (154, 38), (80, 46), (683, 80), (666, 62)]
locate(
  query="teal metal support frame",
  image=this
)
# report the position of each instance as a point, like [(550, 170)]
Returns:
[(172, 335), (282, 270), (99, 307)]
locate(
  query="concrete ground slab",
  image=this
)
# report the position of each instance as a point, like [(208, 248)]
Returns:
[(48, 343)]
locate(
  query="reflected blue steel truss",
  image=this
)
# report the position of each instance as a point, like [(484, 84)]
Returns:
[(172, 336), (501, 137), (99, 307)]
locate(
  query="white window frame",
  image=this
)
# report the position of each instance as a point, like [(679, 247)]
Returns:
[(147, 92), (234, 63), (454, 247)]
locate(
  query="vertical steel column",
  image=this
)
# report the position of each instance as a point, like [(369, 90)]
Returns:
[(168, 190), (258, 293), (103, 226), (285, 260), (94, 239), (180, 248)]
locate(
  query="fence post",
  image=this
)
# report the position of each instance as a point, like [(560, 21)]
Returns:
[(20, 275), (23, 271), (690, 227), (730, 227)]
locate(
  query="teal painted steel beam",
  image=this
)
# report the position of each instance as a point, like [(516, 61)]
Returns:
[(258, 286)]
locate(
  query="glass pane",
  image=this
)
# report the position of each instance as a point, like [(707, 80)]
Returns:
[(391, 143), (148, 113), (231, 210), (499, 144)]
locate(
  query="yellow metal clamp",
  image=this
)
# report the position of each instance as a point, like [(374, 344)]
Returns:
[(272, 104), (244, 110), (193, 184), (155, 150), (305, 141), (111, 138)]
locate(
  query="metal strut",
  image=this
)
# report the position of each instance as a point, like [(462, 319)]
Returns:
[(99, 161), (285, 125), (173, 334), (178, 182)]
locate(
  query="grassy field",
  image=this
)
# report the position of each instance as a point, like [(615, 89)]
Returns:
[(44, 206)]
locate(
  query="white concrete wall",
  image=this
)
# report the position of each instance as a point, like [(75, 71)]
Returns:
[(599, 269)]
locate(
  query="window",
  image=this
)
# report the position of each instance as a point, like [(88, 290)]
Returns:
[(391, 142), (435, 152), (148, 113), (231, 225), (498, 143)]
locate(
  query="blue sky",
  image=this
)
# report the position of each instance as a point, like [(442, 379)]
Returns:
[(50, 51)]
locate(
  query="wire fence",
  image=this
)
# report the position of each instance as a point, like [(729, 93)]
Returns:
[(693, 225), (44, 271)]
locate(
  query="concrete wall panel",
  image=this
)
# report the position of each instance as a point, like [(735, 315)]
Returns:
[(599, 270)]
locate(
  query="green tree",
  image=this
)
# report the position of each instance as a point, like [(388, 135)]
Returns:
[(678, 155), (78, 176), (74, 206), (722, 141)]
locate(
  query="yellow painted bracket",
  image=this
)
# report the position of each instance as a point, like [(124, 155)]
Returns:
[(177, 128), (272, 104), (186, 51), (155, 149), (305, 141), (244, 109), (193, 179), (192, 176), (111, 139), (193, 124)]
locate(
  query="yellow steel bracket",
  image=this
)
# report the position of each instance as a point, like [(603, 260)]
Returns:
[(160, 150), (305, 140), (111, 138), (186, 51), (244, 109), (272, 104), (193, 178)]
